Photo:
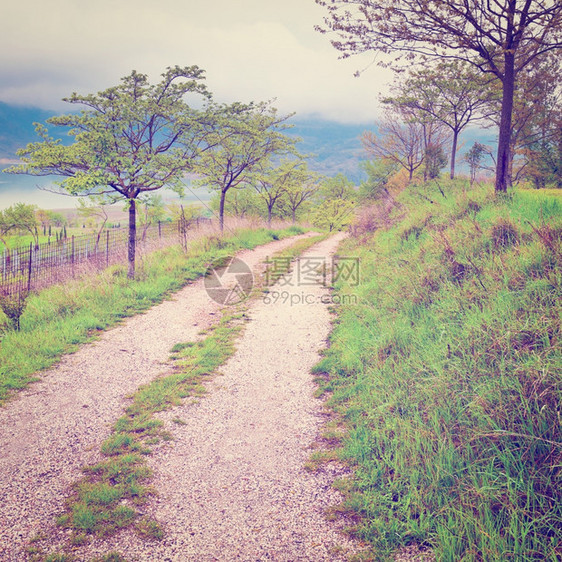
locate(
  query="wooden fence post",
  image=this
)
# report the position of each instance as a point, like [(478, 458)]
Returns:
[(29, 267), (107, 248)]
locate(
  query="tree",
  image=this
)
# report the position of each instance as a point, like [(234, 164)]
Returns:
[(336, 187), (435, 160), (399, 142), (272, 183), (241, 203), (252, 137), (301, 187), (474, 159), (500, 37), (536, 98), (19, 217), (452, 92), (94, 208), (379, 171), (335, 200), (333, 214), (154, 211), (544, 156), (131, 139)]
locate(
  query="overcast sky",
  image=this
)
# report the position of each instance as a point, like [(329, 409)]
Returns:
[(250, 50)]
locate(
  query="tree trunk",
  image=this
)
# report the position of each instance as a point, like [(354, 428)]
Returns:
[(294, 214), (221, 210), (269, 215), (132, 238), (508, 88), (454, 153)]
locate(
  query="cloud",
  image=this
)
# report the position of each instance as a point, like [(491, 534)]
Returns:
[(250, 49)]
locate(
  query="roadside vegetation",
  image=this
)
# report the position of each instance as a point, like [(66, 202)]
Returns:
[(59, 318), (447, 374)]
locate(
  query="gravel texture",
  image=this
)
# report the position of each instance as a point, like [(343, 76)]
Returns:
[(55, 427), (232, 483)]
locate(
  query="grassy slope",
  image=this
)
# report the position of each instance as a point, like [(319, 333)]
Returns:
[(61, 317), (448, 374)]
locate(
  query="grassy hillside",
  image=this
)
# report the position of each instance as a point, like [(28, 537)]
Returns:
[(448, 375)]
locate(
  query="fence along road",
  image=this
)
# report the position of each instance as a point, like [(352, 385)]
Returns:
[(37, 266)]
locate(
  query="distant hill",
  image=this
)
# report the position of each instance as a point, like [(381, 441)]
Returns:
[(336, 148), (16, 127)]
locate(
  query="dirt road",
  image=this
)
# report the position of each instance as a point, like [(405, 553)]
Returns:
[(232, 483)]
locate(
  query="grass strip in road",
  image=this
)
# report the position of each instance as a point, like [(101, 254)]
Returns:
[(61, 317), (105, 500)]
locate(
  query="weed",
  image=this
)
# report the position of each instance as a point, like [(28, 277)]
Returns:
[(13, 306), (504, 234), (149, 529)]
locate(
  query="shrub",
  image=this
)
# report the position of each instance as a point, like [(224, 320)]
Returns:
[(504, 234)]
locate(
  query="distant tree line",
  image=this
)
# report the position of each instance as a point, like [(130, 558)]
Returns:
[(430, 109)]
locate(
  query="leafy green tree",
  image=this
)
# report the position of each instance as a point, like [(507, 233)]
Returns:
[(335, 203), (244, 202), (379, 171), (19, 217), (301, 187), (435, 160), (130, 139), (94, 208), (153, 211), (273, 185), (242, 146), (474, 159), (544, 157), (336, 187), (497, 37), (333, 214)]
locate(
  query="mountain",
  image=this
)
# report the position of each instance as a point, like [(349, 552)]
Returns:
[(17, 128), (336, 147)]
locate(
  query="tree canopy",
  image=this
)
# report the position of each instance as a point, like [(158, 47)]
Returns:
[(130, 139), (501, 37), (241, 146)]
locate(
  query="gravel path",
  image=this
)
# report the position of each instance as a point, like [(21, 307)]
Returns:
[(55, 427), (232, 485)]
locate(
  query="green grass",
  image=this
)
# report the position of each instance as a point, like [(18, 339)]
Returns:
[(448, 376), (57, 319), (106, 499)]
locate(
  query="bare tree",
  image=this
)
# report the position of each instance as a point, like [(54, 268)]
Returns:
[(451, 93), (400, 141)]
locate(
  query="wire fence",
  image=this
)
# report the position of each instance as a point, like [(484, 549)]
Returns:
[(37, 266)]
